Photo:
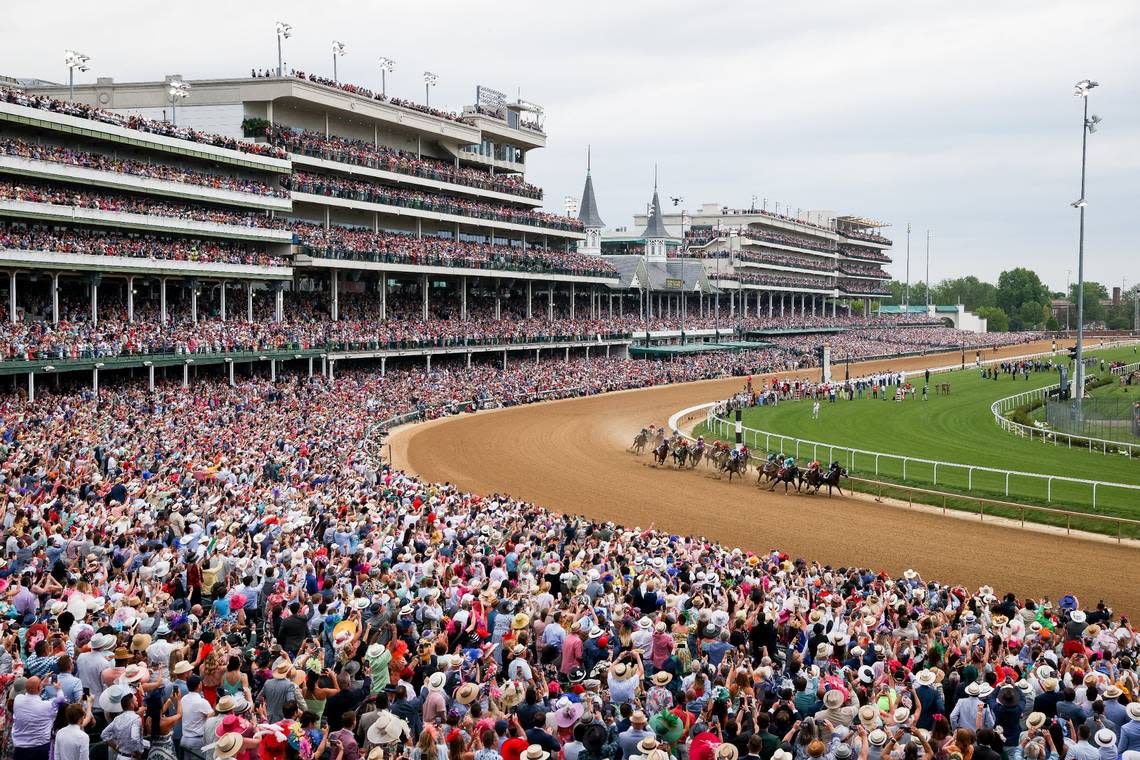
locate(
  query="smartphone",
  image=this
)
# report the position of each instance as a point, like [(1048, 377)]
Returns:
[(86, 692)]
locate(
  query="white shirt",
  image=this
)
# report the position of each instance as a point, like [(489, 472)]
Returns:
[(195, 710), (72, 743)]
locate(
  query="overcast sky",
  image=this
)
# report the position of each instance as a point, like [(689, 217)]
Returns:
[(957, 117)]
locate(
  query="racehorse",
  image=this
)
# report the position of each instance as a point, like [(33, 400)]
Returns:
[(696, 453), (767, 471), (681, 454), (640, 441), (787, 475), (739, 466), (661, 453), (816, 479)]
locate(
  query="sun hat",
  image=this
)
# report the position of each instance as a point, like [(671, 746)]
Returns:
[(869, 716), (182, 666), (534, 752), (984, 690), (1112, 692), (386, 729), (569, 714), (1133, 710), (667, 726), (662, 677), (647, 745), (900, 715), (111, 700), (1105, 737), (282, 668), (135, 673), (782, 754), (972, 689), (228, 745), (727, 751), (925, 678), (638, 718), (101, 642), (436, 681), (466, 693), (225, 705), (877, 738), (1077, 616), (843, 752), (1035, 720), (374, 650)]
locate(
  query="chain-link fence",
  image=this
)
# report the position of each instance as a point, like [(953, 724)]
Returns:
[(1115, 419)]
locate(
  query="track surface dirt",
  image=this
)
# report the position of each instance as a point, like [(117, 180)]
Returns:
[(571, 456)]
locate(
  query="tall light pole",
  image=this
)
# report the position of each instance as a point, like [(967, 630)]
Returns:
[(1088, 126), (386, 65), (1068, 295), (178, 90), (284, 32), (906, 295), (928, 268), (74, 60), (338, 49), (430, 81), (684, 292)]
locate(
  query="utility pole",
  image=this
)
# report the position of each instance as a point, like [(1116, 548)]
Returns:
[(906, 294)]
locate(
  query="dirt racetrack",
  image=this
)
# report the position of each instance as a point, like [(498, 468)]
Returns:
[(571, 456)]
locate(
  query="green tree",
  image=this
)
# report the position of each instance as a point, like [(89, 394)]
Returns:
[(970, 291), (1020, 286), (1094, 291), (898, 293), (1051, 324), (1030, 315), (996, 319)]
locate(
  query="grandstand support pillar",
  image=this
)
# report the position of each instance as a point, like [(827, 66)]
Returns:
[(334, 294), (383, 295), (463, 298), (769, 304), (230, 370), (222, 300), (31, 385), (571, 300), (94, 301), (833, 307), (55, 298), (162, 300), (781, 304), (587, 352), (621, 305), (95, 381), (185, 375), (130, 299), (383, 366), (504, 360), (468, 360), (813, 300), (607, 350), (568, 353), (498, 305), (427, 362), (424, 295), (311, 366), (332, 365), (272, 370), (324, 366), (759, 298), (550, 303), (12, 299), (150, 376), (249, 301), (537, 355), (529, 299), (279, 306), (194, 303)]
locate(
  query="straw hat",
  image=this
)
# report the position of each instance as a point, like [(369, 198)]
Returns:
[(386, 729), (727, 751), (228, 745), (466, 693), (534, 752)]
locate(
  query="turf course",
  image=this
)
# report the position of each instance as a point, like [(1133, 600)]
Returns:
[(958, 428)]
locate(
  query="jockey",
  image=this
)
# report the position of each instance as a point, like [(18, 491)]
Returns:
[(772, 456), (734, 453), (790, 462), (834, 466), (814, 465)]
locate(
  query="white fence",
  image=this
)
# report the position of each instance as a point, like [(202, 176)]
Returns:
[(763, 439), (1009, 403)]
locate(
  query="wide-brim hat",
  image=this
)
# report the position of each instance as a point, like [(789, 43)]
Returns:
[(925, 678), (111, 699), (385, 730), (374, 650), (534, 752), (1133, 710), (667, 726), (727, 751), (877, 738), (282, 669), (225, 704), (662, 677), (436, 681), (182, 666), (869, 716), (567, 715), (1035, 720), (343, 632), (1077, 616), (101, 642), (647, 745), (833, 699), (1105, 737), (135, 673), (466, 693), (228, 745)]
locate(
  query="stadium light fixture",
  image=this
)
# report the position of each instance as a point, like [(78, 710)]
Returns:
[(74, 60), (338, 49), (386, 65), (430, 80), (178, 90), (284, 32), (1088, 126)]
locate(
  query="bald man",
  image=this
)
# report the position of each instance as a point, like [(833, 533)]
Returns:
[(32, 719)]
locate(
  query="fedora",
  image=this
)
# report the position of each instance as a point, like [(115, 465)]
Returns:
[(647, 745), (436, 681), (1133, 710), (228, 745), (727, 751), (1035, 720), (535, 752), (925, 678)]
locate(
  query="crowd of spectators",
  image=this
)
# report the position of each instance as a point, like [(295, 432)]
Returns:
[(866, 270), (870, 237), (12, 146), (354, 243), (233, 572), (375, 156), (108, 242), (134, 121), (783, 238), (778, 280), (786, 260), (862, 252), (337, 187), (863, 286), (69, 195)]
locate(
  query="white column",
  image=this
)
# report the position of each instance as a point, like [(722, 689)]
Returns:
[(813, 300), (310, 366), (222, 300), (194, 303), (833, 306), (571, 300), (550, 303), (185, 375), (427, 366), (95, 380), (94, 302), (249, 301), (272, 370), (162, 300), (130, 299), (530, 299), (12, 309), (769, 304), (332, 370), (424, 292), (279, 306), (55, 298), (150, 377), (383, 366), (334, 289), (498, 305), (31, 385), (383, 295), (463, 298), (781, 304), (504, 360), (230, 365)]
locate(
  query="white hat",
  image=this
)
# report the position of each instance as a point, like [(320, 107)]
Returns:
[(1077, 616), (111, 700), (1133, 710), (1105, 737), (925, 678)]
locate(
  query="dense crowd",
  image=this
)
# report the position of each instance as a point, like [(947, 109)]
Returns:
[(870, 237), (865, 343), (337, 187), (133, 121), (784, 238), (10, 146), (866, 270), (863, 252), (99, 242), (231, 572), (778, 280), (863, 286), (786, 260), (67, 195), (348, 242), (370, 154)]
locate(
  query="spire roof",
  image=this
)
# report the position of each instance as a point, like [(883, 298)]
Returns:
[(588, 211), (655, 230)]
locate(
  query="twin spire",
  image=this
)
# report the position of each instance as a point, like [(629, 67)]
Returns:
[(588, 210)]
